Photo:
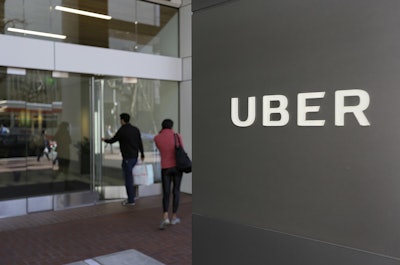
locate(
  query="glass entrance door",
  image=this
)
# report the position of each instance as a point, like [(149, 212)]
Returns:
[(107, 93), (148, 102)]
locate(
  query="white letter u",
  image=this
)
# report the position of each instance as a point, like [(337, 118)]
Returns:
[(251, 112)]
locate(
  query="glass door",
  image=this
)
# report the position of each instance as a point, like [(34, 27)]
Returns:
[(107, 166), (147, 102)]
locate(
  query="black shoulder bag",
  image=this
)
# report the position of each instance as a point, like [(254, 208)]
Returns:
[(183, 162)]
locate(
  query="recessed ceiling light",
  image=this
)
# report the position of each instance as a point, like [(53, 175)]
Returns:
[(81, 12), (38, 33)]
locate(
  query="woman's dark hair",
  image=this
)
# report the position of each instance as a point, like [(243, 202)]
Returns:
[(167, 124), (125, 117)]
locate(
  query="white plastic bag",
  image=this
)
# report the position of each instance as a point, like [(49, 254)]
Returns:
[(143, 174)]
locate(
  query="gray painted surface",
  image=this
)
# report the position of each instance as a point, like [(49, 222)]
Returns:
[(335, 184), (197, 5), (229, 243)]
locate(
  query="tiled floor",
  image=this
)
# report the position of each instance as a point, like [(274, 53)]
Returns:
[(72, 235)]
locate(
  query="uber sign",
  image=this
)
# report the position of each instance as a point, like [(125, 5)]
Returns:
[(281, 104)]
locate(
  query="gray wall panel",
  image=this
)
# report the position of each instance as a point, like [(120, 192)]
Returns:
[(229, 243), (201, 4), (330, 183)]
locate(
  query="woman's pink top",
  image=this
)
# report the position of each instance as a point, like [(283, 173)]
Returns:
[(166, 145)]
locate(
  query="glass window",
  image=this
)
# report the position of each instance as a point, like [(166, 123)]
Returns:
[(44, 133), (136, 26)]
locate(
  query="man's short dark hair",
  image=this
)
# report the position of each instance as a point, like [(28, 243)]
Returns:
[(167, 124), (125, 117)]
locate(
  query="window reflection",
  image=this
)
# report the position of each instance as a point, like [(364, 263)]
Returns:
[(136, 26), (45, 128), (35, 157)]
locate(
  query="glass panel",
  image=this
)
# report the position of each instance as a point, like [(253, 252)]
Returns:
[(143, 27), (44, 147), (148, 102), (135, 25), (81, 29), (27, 15)]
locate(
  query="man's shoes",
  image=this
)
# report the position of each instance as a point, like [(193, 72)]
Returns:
[(175, 221), (164, 223), (126, 203)]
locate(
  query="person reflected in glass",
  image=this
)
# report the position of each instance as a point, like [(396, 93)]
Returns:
[(4, 130), (43, 146), (130, 142), (165, 142), (63, 141)]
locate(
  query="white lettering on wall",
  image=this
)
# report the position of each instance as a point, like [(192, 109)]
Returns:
[(251, 112), (268, 110), (302, 109), (358, 110)]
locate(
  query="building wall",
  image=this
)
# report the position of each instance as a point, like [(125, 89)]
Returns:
[(306, 190), (48, 55), (185, 44)]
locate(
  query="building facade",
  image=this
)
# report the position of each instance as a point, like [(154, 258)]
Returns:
[(66, 75)]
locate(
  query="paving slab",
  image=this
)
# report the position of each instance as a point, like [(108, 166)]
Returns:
[(126, 257), (78, 263)]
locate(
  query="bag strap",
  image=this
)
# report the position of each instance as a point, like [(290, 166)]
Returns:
[(175, 141)]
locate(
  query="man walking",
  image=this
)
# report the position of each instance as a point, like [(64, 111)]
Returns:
[(131, 144)]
